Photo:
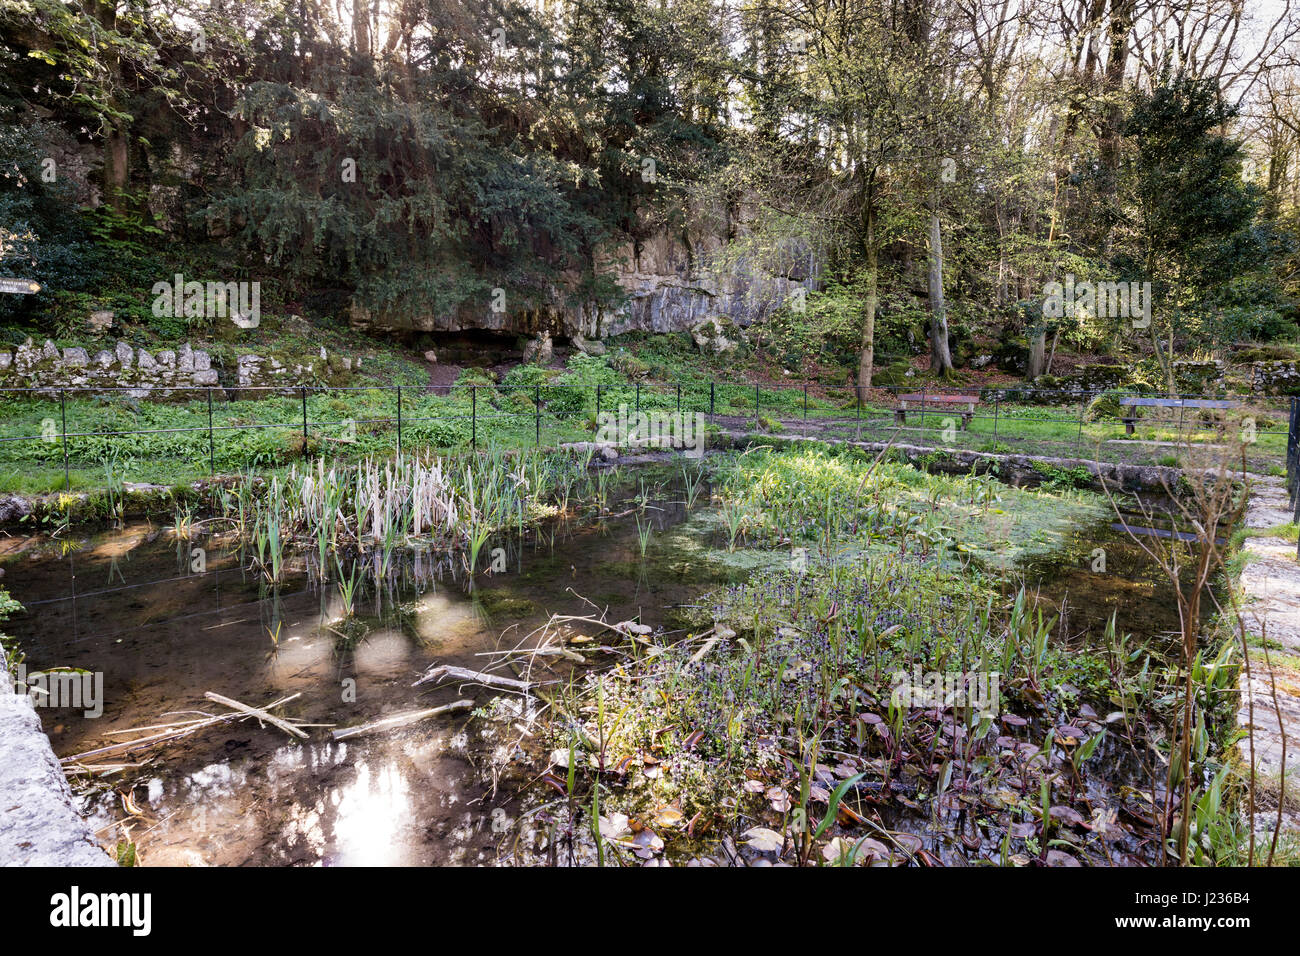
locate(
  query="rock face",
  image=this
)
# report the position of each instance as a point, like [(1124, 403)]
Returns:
[(671, 283), (38, 823)]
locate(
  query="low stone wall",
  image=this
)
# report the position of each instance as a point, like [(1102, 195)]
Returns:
[(1275, 378), (39, 825), (269, 372), (168, 372), (140, 372)]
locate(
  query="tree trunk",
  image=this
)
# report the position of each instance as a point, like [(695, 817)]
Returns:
[(117, 169), (940, 356), (361, 27), (1037, 362), (871, 255)]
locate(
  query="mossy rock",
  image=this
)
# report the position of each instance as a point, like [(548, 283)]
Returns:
[(1104, 407), (1265, 353), (894, 375)]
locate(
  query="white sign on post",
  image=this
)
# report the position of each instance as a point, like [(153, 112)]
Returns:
[(19, 286)]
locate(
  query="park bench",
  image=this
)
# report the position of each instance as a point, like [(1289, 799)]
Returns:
[(920, 401), (1132, 404)]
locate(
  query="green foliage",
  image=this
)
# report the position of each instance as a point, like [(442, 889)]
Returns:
[(41, 235), (1192, 218)]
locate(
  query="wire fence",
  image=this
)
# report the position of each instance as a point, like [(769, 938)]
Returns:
[(183, 432)]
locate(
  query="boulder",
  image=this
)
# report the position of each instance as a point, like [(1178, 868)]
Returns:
[(13, 507), (588, 346), (539, 349), (100, 321), (710, 336)]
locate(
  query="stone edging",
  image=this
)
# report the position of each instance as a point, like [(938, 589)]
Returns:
[(39, 826)]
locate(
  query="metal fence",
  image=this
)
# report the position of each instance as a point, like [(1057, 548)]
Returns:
[(1055, 422)]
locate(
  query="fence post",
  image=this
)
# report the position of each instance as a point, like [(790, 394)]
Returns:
[(399, 421), (212, 444), (537, 407), (598, 400), (1083, 409), (1292, 445), (711, 394), (757, 423), (473, 417), (997, 401), (638, 397), (805, 409), (63, 414), (304, 419)]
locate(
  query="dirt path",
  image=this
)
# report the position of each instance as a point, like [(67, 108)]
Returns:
[(442, 377)]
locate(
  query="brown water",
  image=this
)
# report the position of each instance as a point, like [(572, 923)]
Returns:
[(128, 605)]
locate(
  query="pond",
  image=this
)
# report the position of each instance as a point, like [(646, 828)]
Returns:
[(164, 627)]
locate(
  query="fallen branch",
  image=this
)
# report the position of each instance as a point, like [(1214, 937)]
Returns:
[(447, 672), (257, 712), (183, 729), (401, 720)]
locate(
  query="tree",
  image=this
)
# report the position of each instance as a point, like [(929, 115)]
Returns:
[(1190, 215)]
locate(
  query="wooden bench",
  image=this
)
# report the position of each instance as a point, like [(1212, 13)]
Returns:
[(920, 401), (1133, 404)]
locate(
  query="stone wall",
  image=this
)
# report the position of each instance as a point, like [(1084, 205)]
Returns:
[(1275, 378), (136, 370), (140, 374)]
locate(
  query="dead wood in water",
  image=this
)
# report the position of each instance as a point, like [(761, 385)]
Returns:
[(169, 732), (443, 672), (402, 720), (260, 714)]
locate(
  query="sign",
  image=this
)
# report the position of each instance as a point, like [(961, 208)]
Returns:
[(19, 286)]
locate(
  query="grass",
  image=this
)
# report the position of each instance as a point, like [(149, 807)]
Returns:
[(531, 406), (778, 698)]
